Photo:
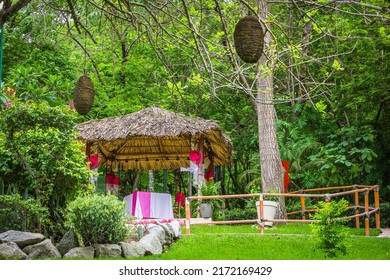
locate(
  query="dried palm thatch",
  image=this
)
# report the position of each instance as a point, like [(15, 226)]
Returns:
[(249, 39), (153, 139), (83, 95)]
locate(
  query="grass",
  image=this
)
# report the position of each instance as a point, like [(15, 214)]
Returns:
[(284, 242)]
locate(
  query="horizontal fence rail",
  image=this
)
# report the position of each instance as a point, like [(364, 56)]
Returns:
[(354, 190)]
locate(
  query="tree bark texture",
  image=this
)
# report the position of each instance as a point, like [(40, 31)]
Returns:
[(271, 165)]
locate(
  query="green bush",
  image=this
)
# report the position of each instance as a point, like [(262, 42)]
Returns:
[(248, 213), (22, 215), (41, 157), (98, 219), (385, 214), (331, 230)]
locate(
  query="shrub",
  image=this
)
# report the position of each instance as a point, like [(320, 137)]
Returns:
[(22, 215), (210, 189), (331, 230), (248, 213), (41, 157), (98, 219), (385, 214)]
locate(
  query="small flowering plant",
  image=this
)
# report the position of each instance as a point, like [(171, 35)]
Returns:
[(7, 104), (70, 105)]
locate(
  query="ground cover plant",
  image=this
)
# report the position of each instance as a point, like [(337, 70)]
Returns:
[(282, 242)]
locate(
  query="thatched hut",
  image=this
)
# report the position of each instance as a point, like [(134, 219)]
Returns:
[(153, 139)]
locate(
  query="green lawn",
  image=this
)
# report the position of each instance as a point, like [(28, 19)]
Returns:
[(285, 242)]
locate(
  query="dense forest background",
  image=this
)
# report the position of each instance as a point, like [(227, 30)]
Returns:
[(330, 76)]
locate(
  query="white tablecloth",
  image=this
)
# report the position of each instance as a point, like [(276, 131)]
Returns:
[(144, 205)]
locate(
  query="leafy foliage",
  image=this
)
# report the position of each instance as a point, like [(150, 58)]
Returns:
[(331, 230), (346, 158), (385, 215), (98, 219), (33, 84), (248, 213), (23, 215), (211, 189), (40, 157)]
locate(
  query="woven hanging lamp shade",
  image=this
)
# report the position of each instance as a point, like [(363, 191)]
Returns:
[(83, 95), (249, 39)]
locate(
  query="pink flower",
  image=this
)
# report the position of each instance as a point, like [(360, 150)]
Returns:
[(7, 104), (70, 106)]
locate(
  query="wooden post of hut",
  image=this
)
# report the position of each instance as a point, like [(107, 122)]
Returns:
[(201, 165)]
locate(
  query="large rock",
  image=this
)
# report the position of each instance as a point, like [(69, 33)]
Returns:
[(132, 249), (80, 253), (107, 251), (11, 251), (69, 241), (168, 233), (158, 231), (175, 226), (44, 250), (27, 249), (152, 244), (21, 238)]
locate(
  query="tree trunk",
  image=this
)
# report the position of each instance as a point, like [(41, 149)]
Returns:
[(271, 165)]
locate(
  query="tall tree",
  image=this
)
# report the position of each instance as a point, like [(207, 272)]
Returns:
[(270, 161)]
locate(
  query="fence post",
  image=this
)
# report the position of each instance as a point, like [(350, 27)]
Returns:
[(261, 214), (188, 216), (303, 206), (357, 222), (366, 219), (377, 206)]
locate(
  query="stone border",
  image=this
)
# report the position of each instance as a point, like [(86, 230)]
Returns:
[(18, 245)]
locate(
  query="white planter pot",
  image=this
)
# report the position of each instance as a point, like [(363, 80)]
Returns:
[(269, 210), (206, 211)]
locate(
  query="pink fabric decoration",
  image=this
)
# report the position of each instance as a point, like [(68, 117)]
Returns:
[(194, 156), (179, 198), (94, 161), (209, 175), (109, 179), (115, 180), (286, 165), (145, 205), (112, 183)]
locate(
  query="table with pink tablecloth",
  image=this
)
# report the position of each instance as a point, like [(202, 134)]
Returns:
[(149, 205)]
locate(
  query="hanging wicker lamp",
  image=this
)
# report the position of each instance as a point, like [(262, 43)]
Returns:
[(249, 39), (83, 95)]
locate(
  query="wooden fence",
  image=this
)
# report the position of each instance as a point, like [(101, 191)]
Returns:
[(355, 190)]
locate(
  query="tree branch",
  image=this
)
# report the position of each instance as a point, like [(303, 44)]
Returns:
[(10, 10)]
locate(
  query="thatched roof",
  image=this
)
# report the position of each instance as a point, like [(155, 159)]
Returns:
[(154, 138)]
